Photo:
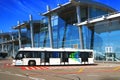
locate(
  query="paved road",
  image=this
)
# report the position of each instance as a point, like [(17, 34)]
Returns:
[(89, 72)]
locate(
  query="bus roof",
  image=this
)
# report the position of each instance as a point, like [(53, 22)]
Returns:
[(53, 49)]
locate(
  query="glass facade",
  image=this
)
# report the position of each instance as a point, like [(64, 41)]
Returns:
[(44, 34), (87, 37), (95, 12), (64, 34), (106, 39)]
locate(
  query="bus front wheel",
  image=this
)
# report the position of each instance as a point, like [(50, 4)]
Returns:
[(31, 63)]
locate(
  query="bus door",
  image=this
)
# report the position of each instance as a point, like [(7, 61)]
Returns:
[(64, 57), (44, 58), (84, 56), (47, 55), (55, 58)]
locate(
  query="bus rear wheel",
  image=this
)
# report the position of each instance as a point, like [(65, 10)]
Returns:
[(32, 63)]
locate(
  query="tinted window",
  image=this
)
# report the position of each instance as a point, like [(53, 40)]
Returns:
[(36, 54), (55, 54), (28, 54), (86, 54)]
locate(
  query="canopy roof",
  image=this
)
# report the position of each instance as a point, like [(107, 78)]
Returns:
[(84, 3)]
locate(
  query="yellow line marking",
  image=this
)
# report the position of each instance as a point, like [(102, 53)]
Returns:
[(116, 68), (80, 70)]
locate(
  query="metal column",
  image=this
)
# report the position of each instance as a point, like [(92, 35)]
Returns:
[(80, 27), (2, 47), (2, 44), (31, 31), (92, 38), (13, 45), (50, 31), (50, 28), (19, 34)]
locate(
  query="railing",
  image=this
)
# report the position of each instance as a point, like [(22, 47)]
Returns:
[(106, 15)]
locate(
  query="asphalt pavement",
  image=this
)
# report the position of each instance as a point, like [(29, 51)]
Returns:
[(100, 71)]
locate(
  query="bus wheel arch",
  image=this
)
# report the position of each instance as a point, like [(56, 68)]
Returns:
[(32, 63)]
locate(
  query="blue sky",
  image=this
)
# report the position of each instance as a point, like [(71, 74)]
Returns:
[(13, 10)]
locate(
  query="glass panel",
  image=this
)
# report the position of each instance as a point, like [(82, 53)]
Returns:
[(87, 34), (28, 54), (94, 12), (106, 39), (36, 54), (84, 14), (55, 54)]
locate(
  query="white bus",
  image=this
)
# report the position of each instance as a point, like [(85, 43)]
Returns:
[(49, 56)]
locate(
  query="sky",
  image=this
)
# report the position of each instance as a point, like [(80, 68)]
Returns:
[(12, 11)]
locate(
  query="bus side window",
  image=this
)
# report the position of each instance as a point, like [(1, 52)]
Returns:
[(24, 56), (90, 55), (28, 54), (36, 54), (54, 54)]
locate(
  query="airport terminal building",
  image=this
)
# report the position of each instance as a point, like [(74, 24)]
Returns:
[(81, 24)]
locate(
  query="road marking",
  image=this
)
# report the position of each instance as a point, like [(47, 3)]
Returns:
[(32, 68), (80, 70), (116, 68), (27, 68), (38, 68), (47, 68)]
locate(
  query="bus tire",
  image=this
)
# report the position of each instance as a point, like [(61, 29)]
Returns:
[(31, 63)]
